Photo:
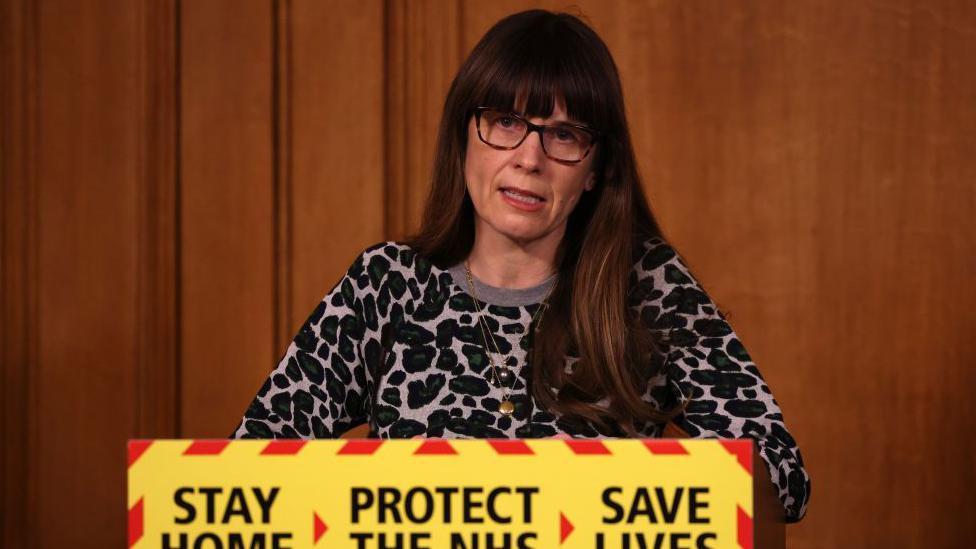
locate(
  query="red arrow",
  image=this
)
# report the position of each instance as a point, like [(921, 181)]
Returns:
[(565, 528), (320, 527)]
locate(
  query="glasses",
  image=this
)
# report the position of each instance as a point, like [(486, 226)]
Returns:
[(563, 141)]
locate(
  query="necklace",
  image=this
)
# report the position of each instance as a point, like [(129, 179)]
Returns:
[(502, 376)]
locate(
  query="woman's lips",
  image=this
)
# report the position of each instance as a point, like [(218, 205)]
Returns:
[(522, 199)]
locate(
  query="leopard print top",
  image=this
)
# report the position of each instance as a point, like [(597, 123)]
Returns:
[(397, 344)]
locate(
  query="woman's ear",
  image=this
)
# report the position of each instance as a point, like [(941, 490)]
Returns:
[(590, 182)]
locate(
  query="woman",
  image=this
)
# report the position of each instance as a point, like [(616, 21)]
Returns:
[(539, 298)]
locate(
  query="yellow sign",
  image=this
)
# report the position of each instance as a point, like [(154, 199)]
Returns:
[(433, 494)]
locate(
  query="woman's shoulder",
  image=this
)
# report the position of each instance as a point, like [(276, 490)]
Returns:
[(391, 250), (378, 262), (394, 253), (653, 254), (659, 274)]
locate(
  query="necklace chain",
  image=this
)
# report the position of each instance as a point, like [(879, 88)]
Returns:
[(506, 406)]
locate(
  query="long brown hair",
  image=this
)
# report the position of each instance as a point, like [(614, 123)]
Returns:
[(536, 57)]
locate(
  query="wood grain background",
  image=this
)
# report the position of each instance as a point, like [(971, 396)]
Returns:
[(183, 181)]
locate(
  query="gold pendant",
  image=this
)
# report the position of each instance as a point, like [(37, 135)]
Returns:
[(506, 407)]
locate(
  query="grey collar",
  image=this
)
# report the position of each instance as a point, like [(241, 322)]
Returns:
[(505, 297)]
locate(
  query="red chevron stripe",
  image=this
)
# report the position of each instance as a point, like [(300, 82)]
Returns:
[(284, 447), (742, 450), (360, 447), (665, 447), (511, 447), (435, 447), (136, 449), (743, 528), (135, 523), (206, 447), (587, 447)]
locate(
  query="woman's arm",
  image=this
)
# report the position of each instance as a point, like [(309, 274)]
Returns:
[(319, 389), (708, 366)]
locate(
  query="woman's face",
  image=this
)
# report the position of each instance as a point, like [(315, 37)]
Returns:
[(522, 194)]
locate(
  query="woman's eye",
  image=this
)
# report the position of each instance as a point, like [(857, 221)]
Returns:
[(506, 122), (565, 136)]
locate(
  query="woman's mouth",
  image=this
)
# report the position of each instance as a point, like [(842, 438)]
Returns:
[(522, 199)]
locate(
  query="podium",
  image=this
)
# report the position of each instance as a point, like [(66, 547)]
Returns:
[(458, 494), (770, 518)]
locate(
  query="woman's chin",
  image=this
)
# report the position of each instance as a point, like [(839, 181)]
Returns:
[(524, 235), (518, 228)]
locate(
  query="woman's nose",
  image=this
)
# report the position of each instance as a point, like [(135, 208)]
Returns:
[(530, 154)]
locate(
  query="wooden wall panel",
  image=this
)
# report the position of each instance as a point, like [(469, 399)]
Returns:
[(227, 210), (80, 165), (18, 265), (334, 124), (157, 208), (889, 135), (424, 51), (88, 260), (84, 379)]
